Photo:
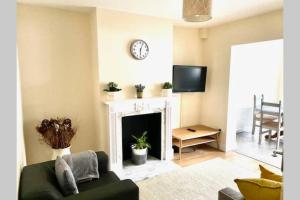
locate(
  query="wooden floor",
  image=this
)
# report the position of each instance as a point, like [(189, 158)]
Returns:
[(204, 152), (201, 153)]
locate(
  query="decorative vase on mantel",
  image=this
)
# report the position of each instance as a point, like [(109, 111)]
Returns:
[(60, 152), (167, 92), (139, 95), (112, 96)]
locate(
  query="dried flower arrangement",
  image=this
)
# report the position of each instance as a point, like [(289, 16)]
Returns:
[(57, 133)]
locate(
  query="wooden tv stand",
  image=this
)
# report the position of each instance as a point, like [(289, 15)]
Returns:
[(182, 137)]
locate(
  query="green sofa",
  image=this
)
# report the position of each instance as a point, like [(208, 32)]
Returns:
[(38, 182)]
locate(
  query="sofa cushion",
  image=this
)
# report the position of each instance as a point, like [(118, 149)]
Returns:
[(65, 177), (267, 174), (259, 188), (105, 179)]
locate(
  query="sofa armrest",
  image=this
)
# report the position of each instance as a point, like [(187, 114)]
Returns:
[(229, 194), (125, 189), (102, 162)]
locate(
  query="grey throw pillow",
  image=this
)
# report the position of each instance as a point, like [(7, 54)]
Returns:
[(65, 177)]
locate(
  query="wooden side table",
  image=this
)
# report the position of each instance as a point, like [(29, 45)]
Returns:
[(182, 137)]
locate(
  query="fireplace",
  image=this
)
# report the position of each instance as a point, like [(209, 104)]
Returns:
[(133, 116), (136, 125)]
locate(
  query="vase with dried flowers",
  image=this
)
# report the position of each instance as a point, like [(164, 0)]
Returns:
[(57, 133)]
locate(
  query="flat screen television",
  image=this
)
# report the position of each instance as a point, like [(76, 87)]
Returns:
[(189, 78)]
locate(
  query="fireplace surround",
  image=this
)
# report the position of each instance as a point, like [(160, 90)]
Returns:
[(120, 110)]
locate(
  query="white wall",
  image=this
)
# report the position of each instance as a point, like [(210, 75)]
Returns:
[(255, 68)]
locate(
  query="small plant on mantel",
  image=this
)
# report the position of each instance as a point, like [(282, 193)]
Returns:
[(112, 87), (139, 90), (167, 85), (167, 89), (112, 90), (140, 148)]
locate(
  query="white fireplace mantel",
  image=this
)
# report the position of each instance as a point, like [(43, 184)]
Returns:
[(129, 107)]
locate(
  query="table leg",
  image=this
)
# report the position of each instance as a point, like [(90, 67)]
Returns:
[(180, 144), (217, 140)]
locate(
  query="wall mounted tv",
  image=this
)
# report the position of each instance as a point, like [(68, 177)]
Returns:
[(189, 78)]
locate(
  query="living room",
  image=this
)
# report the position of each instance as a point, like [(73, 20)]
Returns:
[(68, 52)]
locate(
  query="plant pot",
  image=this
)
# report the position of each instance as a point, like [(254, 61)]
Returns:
[(167, 92), (60, 152), (139, 95), (113, 95), (139, 156)]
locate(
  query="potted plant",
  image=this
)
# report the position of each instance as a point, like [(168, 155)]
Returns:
[(167, 89), (139, 90), (140, 149), (57, 133), (112, 90)]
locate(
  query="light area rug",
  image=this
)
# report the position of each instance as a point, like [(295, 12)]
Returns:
[(153, 167), (196, 182)]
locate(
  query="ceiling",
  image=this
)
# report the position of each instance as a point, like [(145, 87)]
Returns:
[(222, 10)]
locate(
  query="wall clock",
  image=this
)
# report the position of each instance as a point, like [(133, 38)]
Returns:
[(139, 49)]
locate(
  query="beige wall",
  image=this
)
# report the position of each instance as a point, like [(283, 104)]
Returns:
[(116, 31), (188, 50), (95, 70), (217, 58), (56, 74)]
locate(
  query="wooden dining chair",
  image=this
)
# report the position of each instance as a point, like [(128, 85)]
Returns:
[(257, 115), (272, 110)]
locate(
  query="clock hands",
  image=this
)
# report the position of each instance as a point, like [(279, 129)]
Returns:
[(141, 49)]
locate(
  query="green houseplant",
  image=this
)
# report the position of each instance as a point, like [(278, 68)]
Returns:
[(139, 90), (139, 149), (112, 90), (112, 87), (167, 89)]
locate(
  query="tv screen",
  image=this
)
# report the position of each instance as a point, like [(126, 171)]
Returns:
[(189, 78)]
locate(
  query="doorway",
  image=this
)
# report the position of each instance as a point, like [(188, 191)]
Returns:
[(255, 69)]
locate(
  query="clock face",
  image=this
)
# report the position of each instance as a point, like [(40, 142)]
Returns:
[(139, 49)]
